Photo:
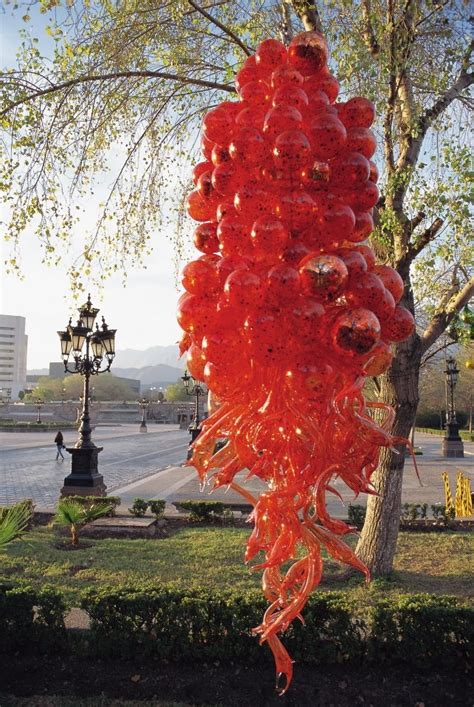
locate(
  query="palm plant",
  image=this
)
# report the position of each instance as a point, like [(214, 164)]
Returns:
[(14, 522), (75, 515)]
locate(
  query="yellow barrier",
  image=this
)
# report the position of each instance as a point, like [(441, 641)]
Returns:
[(462, 505), (447, 495)]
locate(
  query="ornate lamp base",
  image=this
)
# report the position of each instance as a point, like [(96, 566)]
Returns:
[(84, 479), (452, 444)]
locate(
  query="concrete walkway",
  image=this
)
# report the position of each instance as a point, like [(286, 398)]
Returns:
[(178, 483)]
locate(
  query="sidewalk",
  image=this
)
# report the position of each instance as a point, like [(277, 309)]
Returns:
[(179, 483)]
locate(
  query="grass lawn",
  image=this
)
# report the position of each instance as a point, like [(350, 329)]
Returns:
[(213, 556)]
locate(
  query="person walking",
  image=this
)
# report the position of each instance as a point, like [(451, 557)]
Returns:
[(59, 442)]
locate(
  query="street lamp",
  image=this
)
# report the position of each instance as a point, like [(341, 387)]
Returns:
[(143, 405), (452, 442), (38, 405), (193, 388), (84, 478)]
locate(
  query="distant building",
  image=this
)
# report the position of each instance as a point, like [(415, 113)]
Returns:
[(13, 350)]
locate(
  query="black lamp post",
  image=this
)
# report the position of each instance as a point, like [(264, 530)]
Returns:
[(193, 388), (84, 478), (143, 405), (38, 405), (452, 442)]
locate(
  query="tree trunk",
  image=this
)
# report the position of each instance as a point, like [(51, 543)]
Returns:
[(399, 388), (74, 534)]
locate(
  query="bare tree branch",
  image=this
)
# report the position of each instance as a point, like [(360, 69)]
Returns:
[(445, 315), (368, 31), (424, 239), (433, 353), (116, 75), (414, 222), (221, 26), (308, 14)]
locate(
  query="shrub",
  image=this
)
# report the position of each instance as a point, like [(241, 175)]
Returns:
[(410, 511), (203, 511), (157, 508), (176, 623), (15, 521), (440, 512), (180, 624), (356, 515), (422, 630), (76, 515), (31, 619), (138, 508), (111, 502)]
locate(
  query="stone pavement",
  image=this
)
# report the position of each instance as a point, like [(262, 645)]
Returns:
[(180, 483), (150, 466), (28, 468)]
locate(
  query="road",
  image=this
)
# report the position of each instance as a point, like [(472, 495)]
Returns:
[(28, 468)]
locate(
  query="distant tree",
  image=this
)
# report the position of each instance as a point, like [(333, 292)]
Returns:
[(176, 392), (47, 389), (106, 387)]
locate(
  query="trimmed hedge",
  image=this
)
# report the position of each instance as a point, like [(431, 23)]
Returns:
[(31, 619), (175, 623), (202, 511), (422, 630)]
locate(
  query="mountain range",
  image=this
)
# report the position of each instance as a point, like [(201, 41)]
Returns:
[(156, 365)]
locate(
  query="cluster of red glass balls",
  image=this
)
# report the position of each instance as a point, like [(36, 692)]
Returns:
[(285, 198)]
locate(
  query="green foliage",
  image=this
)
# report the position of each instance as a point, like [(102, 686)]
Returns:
[(75, 514), (106, 387), (111, 503), (157, 507), (211, 556), (440, 513), (173, 623), (139, 507), (422, 630), (356, 515), (203, 511), (14, 521), (32, 620), (176, 392)]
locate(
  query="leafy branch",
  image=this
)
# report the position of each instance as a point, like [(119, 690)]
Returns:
[(56, 88)]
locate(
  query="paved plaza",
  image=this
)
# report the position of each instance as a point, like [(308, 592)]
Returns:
[(151, 466), (28, 468), (180, 483)]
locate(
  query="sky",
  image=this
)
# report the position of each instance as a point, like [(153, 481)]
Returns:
[(143, 312)]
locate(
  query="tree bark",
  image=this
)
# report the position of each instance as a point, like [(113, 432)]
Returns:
[(74, 535), (399, 388)]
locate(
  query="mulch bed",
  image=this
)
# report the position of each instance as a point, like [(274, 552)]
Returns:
[(231, 685)]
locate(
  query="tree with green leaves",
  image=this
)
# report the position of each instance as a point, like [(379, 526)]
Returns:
[(124, 92), (106, 387), (176, 392)]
